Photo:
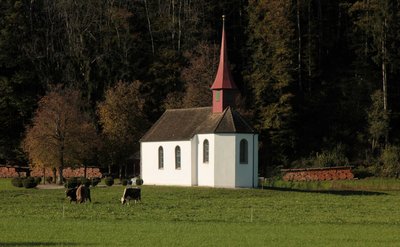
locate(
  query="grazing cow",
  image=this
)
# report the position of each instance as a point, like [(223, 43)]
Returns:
[(71, 193), (131, 194), (82, 194)]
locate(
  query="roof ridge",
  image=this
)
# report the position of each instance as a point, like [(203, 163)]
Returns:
[(191, 108), (244, 120), (231, 116), (220, 120)]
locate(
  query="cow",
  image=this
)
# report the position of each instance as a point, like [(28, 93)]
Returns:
[(131, 194), (82, 194), (71, 194), (79, 194)]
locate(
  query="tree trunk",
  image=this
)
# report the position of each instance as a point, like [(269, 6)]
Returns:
[(299, 46), (60, 173), (149, 26), (384, 74), (54, 175)]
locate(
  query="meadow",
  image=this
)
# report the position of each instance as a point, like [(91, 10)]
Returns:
[(179, 216)]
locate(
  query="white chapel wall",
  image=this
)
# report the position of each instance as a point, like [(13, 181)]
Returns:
[(247, 173), (225, 160), (168, 175), (205, 171)]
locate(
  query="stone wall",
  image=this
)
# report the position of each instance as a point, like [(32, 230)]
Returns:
[(318, 174)]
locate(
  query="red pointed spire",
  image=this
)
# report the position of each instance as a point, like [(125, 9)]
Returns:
[(224, 79), (223, 88)]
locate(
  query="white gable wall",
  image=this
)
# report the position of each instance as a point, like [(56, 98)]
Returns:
[(168, 175), (205, 170), (247, 174), (225, 160)]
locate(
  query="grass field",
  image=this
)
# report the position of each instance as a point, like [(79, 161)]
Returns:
[(175, 216)]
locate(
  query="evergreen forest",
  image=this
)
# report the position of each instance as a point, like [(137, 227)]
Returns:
[(319, 80)]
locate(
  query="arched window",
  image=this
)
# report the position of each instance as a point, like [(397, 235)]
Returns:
[(243, 151), (205, 151), (160, 158), (177, 157)]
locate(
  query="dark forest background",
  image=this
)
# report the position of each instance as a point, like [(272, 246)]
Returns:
[(319, 80)]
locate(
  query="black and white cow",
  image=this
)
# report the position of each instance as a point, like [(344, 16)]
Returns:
[(131, 194)]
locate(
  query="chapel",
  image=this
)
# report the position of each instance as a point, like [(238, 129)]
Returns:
[(206, 146)]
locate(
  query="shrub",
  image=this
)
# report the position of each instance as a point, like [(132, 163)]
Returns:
[(85, 181), (330, 158), (29, 182), (95, 181), (17, 182), (362, 172), (124, 181), (139, 181), (71, 183), (390, 159), (38, 180), (109, 181)]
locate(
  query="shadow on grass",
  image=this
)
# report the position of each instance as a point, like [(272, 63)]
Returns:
[(41, 244), (332, 192)]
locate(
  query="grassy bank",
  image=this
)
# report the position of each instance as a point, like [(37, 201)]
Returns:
[(177, 216), (369, 184)]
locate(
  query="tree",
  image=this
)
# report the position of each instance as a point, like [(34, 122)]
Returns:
[(378, 120), (18, 85), (199, 75), (271, 69), (123, 122), (61, 134), (376, 23)]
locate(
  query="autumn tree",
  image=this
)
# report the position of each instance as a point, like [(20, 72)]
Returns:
[(60, 134), (123, 122)]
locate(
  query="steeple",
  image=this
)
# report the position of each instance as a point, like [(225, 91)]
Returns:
[(223, 88)]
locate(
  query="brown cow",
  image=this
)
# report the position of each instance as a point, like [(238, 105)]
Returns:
[(82, 194)]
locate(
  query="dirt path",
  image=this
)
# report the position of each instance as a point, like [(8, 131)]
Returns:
[(50, 186)]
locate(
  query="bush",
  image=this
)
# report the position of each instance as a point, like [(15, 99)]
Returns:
[(95, 181), (71, 183), (124, 181), (109, 181), (139, 181), (390, 159), (362, 172), (85, 181), (38, 180), (29, 182), (17, 182)]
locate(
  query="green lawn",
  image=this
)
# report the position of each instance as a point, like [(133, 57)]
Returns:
[(175, 216)]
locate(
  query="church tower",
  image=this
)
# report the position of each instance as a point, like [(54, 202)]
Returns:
[(223, 88)]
